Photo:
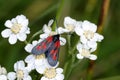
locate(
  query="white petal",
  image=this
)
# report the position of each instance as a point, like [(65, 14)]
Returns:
[(27, 31), (39, 61), (8, 24), (59, 70), (93, 27), (20, 18), (3, 77), (3, 71), (89, 26), (62, 41), (30, 67), (43, 36), (21, 36), (40, 65), (98, 37), (23, 29), (27, 78), (12, 39), (40, 40), (78, 31), (79, 46), (6, 33), (11, 75), (62, 30), (25, 22), (30, 59), (44, 78), (93, 57), (47, 29), (14, 20), (34, 43), (83, 39), (93, 49), (40, 69), (28, 48), (19, 65), (79, 56), (92, 44), (78, 28), (59, 77), (68, 20), (50, 22)]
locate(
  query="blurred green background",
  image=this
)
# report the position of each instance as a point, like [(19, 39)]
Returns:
[(39, 12)]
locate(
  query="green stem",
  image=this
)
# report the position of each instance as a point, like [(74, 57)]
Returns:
[(34, 35), (58, 14), (69, 67), (69, 44), (77, 63), (26, 42)]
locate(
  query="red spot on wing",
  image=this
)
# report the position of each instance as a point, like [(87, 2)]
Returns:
[(38, 47), (57, 44), (52, 52), (54, 57), (43, 45), (49, 39)]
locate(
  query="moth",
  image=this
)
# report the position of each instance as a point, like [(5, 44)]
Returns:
[(50, 47)]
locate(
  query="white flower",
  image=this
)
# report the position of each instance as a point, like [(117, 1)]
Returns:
[(29, 46), (38, 62), (20, 73), (3, 73), (53, 74), (87, 33), (17, 28), (69, 25), (85, 51), (48, 32), (3, 77)]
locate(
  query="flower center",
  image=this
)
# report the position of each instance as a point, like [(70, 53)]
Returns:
[(85, 52), (50, 73), (41, 56), (20, 74), (16, 28), (52, 33), (70, 27), (88, 34)]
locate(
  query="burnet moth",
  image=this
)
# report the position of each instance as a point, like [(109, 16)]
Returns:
[(50, 47)]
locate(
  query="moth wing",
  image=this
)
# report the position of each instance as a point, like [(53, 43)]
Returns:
[(53, 53), (43, 46)]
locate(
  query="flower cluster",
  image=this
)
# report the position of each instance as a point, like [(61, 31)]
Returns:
[(88, 36), (17, 28), (39, 62)]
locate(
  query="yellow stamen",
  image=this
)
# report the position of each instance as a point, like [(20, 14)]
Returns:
[(85, 52), (20, 75), (52, 33), (50, 73), (16, 28), (41, 56), (88, 34), (70, 27)]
